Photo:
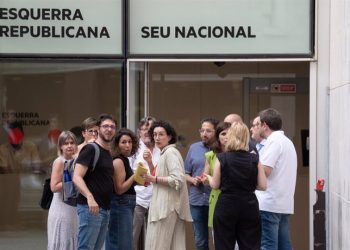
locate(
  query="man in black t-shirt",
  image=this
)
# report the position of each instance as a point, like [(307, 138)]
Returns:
[(95, 186)]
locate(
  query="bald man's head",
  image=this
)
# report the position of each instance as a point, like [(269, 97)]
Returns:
[(231, 118)]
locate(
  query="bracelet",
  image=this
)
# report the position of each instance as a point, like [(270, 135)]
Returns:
[(156, 179)]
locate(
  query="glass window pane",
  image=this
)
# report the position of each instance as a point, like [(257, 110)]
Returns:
[(38, 100), (138, 85)]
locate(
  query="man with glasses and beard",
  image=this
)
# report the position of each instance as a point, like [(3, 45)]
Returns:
[(255, 130), (96, 186), (199, 193)]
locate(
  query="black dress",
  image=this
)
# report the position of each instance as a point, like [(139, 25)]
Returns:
[(236, 215)]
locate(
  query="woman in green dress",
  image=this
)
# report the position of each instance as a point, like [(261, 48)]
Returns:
[(219, 146)]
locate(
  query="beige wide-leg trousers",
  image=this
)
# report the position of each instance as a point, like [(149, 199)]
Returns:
[(166, 234)]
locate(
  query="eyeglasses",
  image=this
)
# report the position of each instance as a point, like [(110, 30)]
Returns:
[(255, 124), (208, 131), (91, 131), (106, 126)]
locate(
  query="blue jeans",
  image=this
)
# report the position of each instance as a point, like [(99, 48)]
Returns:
[(92, 228), (200, 226), (275, 231), (121, 223)]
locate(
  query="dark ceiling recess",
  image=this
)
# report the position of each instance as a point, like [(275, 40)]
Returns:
[(219, 64)]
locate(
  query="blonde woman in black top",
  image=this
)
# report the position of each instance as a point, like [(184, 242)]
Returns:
[(238, 174)]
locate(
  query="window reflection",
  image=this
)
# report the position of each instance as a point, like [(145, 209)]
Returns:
[(37, 102)]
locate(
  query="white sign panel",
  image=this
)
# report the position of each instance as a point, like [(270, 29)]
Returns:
[(64, 27), (220, 27)]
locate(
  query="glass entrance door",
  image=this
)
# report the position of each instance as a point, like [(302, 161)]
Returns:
[(290, 96), (184, 93)]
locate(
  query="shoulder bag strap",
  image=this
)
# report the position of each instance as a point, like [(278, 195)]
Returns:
[(97, 155)]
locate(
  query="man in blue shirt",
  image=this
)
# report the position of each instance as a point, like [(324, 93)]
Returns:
[(260, 142), (199, 193)]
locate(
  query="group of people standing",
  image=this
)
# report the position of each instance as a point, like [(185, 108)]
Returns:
[(108, 195), (214, 187), (252, 183)]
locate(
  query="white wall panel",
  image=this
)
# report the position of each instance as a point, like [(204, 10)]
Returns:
[(339, 133)]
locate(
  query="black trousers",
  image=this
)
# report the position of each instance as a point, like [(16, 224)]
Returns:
[(237, 219)]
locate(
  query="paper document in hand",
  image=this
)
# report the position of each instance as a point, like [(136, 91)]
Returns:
[(140, 171)]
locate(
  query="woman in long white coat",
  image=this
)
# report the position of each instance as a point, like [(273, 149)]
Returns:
[(169, 209)]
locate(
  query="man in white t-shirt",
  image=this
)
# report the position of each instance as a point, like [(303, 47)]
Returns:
[(148, 154), (280, 163)]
